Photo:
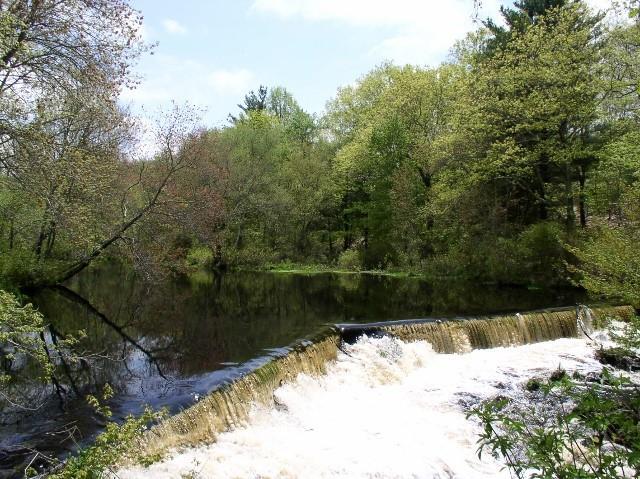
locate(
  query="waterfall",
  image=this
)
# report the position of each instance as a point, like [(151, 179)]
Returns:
[(229, 405), (465, 334), (584, 319)]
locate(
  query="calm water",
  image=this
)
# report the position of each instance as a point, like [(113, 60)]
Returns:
[(165, 344)]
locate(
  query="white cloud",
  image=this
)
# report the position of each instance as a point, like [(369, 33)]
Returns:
[(354, 12), (145, 95), (174, 27), (231, 81), (167, 78), (420, 31)]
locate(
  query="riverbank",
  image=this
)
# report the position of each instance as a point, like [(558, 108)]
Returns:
[(308, 269), (317, 268)]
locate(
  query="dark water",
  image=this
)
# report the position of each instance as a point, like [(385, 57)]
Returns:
[(165, 344)]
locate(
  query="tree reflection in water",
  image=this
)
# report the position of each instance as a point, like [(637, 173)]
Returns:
[(164, 343)]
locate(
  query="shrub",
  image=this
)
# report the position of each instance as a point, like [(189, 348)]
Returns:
[(116, 444), (199, 257), (610, 264), (251, 256), (20, 329), (350, 260), (576, 431)]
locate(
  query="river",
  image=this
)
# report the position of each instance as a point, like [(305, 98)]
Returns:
[(168, 343), (386, 409)]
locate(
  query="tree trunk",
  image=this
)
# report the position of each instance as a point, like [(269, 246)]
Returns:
[(569, 200), (51, 240), (11, 234), (347, 241), (86, 261), (543, 213), (238, 244), (582, 176), (37, 248), (425, 177)]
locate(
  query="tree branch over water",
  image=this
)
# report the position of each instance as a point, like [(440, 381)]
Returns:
[(75, 297), (174, 132)]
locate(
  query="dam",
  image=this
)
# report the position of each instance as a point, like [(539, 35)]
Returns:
[(382, 397)]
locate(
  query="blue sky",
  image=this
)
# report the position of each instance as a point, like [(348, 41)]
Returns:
[(211, 52)]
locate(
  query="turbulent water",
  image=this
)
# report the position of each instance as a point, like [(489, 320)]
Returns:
[(385, 409)]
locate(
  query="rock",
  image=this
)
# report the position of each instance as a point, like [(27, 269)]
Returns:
[(619, 358)]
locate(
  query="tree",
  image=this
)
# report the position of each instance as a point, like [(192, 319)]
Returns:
[(63, 137), (517, 20), (539, 106), (54, 45), (387, 164), (175, 132), (281, 104), (299, 125), (252, 102)]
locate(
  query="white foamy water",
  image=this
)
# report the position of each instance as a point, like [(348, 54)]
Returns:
[(387, 409)]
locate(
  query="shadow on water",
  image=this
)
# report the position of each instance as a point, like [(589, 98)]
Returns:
[(166, 344)]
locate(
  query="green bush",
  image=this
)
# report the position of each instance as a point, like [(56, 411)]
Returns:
[(199, 257), (534, 256), (251, 256), (350, 260), (610, 264), (20, 329), (577, 430), (116, 444), (20, 267), (542, 252), (20, 334)]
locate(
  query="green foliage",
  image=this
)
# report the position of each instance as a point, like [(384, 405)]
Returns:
[(350, 260), (20, 330), (116, 444), (573, 430), (535, 257), (250, 256), (30, 354), (615, 176), (483, 167), (199, 257), (629, 335), (543, 252), (100, 406), (64, 64), (610, 264), (21, 336)]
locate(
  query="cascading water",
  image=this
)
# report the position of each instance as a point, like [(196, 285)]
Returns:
[(229, 405), (466, 334), (387, 406)]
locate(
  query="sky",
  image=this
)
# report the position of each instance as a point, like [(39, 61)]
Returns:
[(210, 53)]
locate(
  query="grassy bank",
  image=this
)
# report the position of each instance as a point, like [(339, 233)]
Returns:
[(309, 269)]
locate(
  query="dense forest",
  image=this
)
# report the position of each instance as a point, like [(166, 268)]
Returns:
[(516, 161)]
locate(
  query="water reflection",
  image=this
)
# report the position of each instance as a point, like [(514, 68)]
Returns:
[(163, 344)]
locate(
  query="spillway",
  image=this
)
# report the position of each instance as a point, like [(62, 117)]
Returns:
[(383, 409), (231, 405)]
